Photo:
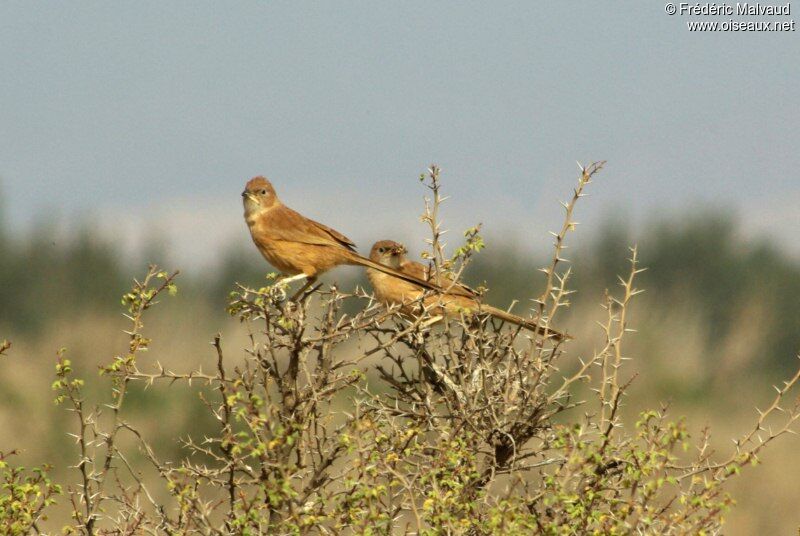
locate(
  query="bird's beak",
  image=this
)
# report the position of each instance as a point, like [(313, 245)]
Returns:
[(399, 250), (248, 195)]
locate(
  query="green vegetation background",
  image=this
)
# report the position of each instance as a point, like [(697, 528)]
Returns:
[(718, 324)]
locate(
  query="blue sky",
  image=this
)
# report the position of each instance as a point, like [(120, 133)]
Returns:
[(148, 117)]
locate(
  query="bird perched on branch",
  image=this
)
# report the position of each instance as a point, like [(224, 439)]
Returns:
[(298, 246), (455, 300)]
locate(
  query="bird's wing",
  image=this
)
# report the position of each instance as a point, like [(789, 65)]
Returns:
[(336, 235), (420, 271), (284, 223), (417, 269)]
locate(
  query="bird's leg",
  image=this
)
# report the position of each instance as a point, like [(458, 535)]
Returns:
[(278, 290), (309, 282), (287, 280)]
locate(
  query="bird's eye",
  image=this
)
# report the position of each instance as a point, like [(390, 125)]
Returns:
[(382, 250), (263, 192)]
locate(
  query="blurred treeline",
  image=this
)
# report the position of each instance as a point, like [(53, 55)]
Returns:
[(698, 268), (718, 323)]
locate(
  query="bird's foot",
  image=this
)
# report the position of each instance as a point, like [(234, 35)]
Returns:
[(289, 308), (277, 292)]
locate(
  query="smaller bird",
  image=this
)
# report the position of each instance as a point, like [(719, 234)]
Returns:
[(456, 299), (298, 246)]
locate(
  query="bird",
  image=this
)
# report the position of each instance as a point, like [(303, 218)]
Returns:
[(455, 299), (299, 247)]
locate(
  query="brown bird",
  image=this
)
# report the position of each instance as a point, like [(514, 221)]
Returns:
[(298, 246), (457, 298)]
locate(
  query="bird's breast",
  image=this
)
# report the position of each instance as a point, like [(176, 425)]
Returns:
[(390, 289)]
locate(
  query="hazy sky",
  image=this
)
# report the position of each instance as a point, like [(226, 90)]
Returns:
[(148, 117)]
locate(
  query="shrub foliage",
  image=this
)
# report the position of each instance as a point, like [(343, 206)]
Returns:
[(377, 423)]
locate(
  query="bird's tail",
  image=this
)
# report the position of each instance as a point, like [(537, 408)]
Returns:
[(522, 322), (363, 261)]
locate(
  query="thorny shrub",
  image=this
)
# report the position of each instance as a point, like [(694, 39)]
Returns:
[(376, 423)]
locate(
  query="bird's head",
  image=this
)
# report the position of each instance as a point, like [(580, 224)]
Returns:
[(388, 252), (258, 195)]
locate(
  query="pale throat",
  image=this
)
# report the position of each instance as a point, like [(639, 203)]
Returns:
[(252, 211)]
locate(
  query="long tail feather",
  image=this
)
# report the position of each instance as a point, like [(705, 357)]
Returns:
[(522, 322), (363, 261)]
